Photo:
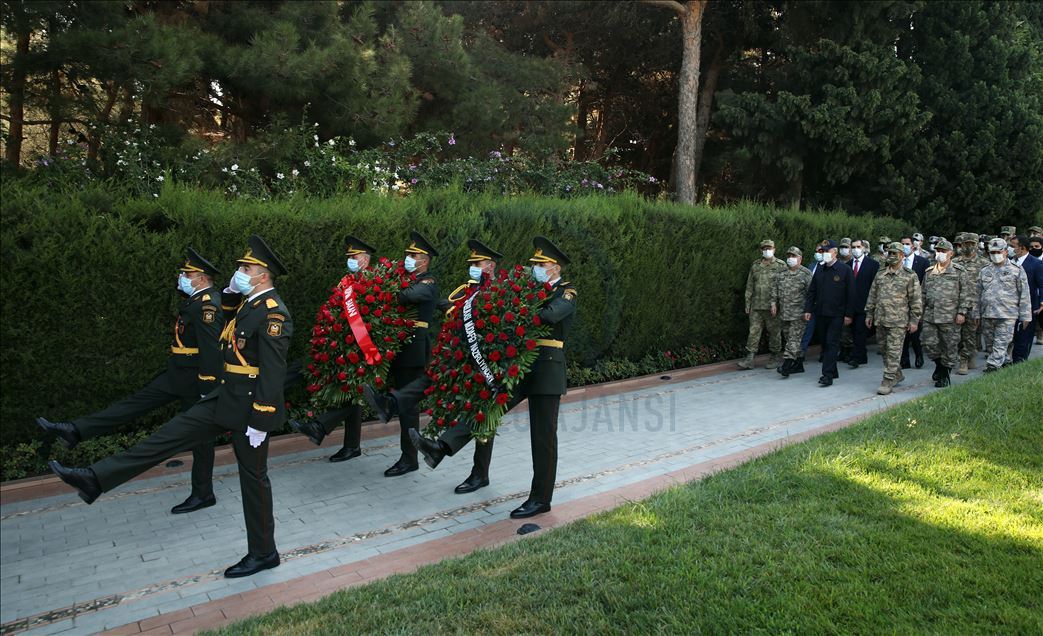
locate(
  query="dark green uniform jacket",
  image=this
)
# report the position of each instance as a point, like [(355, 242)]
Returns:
[(547, 376), (422, 294), (254, 345), (195, 363)]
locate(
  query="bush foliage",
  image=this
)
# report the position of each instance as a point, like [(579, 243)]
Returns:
[(88, 278)]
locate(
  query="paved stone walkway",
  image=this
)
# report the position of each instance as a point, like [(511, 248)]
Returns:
[(126, 564)]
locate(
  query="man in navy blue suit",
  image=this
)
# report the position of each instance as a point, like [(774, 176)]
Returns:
[(919, 265), (864, 269), (1033, 267), (831, 300)]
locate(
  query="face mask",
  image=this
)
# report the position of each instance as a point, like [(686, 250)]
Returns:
[(827, 257), (856, 252), (1010, 251), (768, 253), (353, 264), (997, 257), (184, 283), (242, 283), (409, 264), (845, 252), (967, 250), (791, 261), (981, 246), (892, 259), (941, 257), (907, 249), (539, 272), (818, 257), (1038, 252), (917, 244), (474, 272)]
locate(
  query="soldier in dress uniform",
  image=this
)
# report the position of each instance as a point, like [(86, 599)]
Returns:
[(406, 367), (543, 386), (948, 301), (248, 402), (895, 306), (193, 368), (359, 254), (481, 269)]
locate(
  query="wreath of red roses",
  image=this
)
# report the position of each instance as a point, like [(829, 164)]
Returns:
[(357, 334), (504, 315)]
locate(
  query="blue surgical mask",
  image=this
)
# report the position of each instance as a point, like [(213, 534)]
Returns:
[(353, 264), (474, 272), (818, 257), (242, 283), (539, 272), (409, 264), (907, 249), (184, 283)]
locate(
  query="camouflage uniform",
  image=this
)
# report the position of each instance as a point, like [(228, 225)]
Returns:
[(1003, 298), (879, 255), (894, 303), (788, 295), (946, 292), (969, 332), (759, 285)]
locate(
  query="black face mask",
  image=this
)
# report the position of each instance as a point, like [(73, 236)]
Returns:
[(1038, 252)]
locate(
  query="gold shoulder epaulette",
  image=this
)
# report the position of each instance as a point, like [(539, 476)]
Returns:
[(271, 303), (205, 297)]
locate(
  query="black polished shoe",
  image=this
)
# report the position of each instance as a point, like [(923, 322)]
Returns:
[(401, 467), (310, 429), (798, 367), (64, 431), (785, 367), (853, 364), (471, 484), (826, 380), (192, 504), (344, 454), (530, 509), (383, 404), (919, 361), (251, 564), (431, 450), (82, 479), (836, 375)]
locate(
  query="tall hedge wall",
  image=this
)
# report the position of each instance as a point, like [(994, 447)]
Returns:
[(88, 279)]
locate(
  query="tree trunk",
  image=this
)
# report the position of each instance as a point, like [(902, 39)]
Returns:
[(579, 152), (16, 98), (688, 99), (702, 122), (56, 113)]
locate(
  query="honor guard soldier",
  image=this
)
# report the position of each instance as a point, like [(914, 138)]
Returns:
[(406, 367), (248, 401), (359, 254), (481, 269), (543, 386), (193, 368)]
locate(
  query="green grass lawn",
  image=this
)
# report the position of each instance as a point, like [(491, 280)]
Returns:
[(925, 518)]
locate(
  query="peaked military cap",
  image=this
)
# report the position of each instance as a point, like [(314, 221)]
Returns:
[(997, 244), (196, 263), (354, 245), (420, 245), (259, 253), (481, 252), (547, 252)]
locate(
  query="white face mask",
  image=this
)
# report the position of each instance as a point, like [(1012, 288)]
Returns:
[(941, 257), (827, 257), (409, 264), (818, 257), (1010, 251), (997, 258), (845, 252), (917, 244), (856, 252), (792, 261), (768, 253)]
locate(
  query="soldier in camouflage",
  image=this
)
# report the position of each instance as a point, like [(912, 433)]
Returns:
[(968, 258), (948, 301), (787, 304), (895, 306), (1003, 298), (759, 285), (881, 255)]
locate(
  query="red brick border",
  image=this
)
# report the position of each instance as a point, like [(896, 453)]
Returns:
[(312, 587)]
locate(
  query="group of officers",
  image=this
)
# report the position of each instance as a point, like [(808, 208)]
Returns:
[(228, 370), (974, 293)]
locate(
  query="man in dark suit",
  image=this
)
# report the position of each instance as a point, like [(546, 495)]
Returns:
[(831, 300), (864, 269), (919, 265), (1024, 336)]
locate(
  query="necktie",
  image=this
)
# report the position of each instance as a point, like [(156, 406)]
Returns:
[(856, 266)]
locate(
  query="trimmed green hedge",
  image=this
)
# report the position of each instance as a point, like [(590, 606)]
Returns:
[(88, 278)]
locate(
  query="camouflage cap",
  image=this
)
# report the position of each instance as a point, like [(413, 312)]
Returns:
[(1008, 229), (968, 237), (997, 244), (845, 242), (894, 246), (794, 251), (943, 244), (884, 240), (1035, 230), (917, 236), (768, 243)]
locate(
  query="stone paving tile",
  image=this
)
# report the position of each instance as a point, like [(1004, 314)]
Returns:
[(129, 543)]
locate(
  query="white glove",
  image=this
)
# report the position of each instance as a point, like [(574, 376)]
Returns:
[(232, 289), (256, 436)]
